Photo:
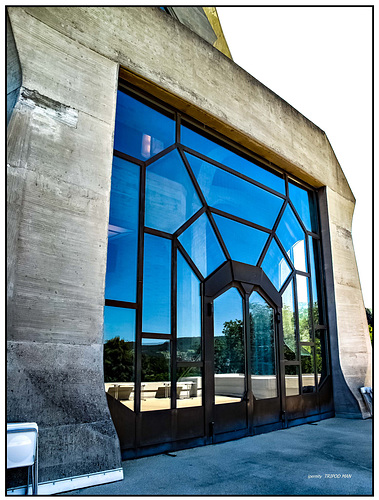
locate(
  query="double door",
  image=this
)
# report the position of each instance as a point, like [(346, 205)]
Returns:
[(242, 385)]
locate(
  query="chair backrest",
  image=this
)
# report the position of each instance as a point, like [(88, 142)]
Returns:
[(21, 444)]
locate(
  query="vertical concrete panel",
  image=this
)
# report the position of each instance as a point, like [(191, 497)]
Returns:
[(60, 146), (354, 344)]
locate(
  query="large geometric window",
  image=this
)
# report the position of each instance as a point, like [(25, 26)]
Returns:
[(182, 204)]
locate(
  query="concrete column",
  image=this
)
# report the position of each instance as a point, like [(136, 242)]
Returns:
[(354, 346), (60, 146)]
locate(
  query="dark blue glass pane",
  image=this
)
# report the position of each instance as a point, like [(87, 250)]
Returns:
[(301, 201), (171, 198), (312, 244), (231, 194), (201, 244), (275, 265), (121, 277), (119, 350), (218, 153), (244, 243), (156, 314), (141, 131), (292, 237), (188, 313)]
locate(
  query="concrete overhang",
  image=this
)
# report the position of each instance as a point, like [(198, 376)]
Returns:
[(174, 63)]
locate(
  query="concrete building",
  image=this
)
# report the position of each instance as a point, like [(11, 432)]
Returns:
[(169, 210)]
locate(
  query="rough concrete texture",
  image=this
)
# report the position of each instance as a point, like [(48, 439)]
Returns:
[(157, 47), (277, 463), (60, 146), (60, 141), (353, 341)]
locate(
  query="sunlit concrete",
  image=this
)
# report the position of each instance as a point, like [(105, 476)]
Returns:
[(287, 462)]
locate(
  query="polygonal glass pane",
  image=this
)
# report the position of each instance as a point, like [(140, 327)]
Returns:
[(304, 203), (244, 243), (171, 198), (233, 195), (188, 313), (292, 237), (156, 314), (141, 131), (210, 148), (229, 348), (262, 341), (121, 277), (289, 326), (275, 265), (201, 244)]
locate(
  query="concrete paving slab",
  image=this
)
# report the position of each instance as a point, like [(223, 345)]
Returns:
[(331, 457)]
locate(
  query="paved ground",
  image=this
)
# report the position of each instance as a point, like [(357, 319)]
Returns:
[(293, 461)]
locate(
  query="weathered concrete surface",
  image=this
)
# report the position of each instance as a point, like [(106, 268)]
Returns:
[(59, 164), (60, 146), (277, 463), (353, 340), (14, 75), (155, 46)]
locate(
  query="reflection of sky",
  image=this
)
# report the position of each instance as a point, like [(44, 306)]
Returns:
[(188, 301), (156, 316), (119, 322), (230, 159), (227, 307)]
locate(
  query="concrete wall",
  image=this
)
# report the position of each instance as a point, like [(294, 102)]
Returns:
[(59, 165)]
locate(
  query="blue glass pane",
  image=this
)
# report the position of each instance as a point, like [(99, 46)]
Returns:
[(140, 131), (218, 153), (301, 201), (313, 244), (201, 244), (303, 306), (171, 198), (275, 265), (292, 237), (289, 326), (121, 277), (231, 194), (119, 348), (119, 322), (244, 243), (156, 312), (188, 313)]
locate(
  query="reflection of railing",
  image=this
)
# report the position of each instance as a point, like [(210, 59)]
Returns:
[(125, 391)]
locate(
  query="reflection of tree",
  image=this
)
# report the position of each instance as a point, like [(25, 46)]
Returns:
[(262, 339), (289, 337), (118, 360), (229, 350), (155, 361)]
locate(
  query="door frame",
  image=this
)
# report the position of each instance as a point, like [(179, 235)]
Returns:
[(246, 278)]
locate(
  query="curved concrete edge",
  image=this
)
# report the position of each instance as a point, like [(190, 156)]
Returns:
[(349, 351)]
